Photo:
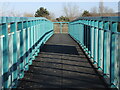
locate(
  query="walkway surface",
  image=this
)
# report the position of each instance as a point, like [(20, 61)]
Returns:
[(61, 64)]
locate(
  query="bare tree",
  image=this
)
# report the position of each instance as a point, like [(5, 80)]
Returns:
[(104, 10), (28, 15), (71, 11), (101, 7), (108, 10), (52, 16), (94, 10), (5, 10), (13, 13)]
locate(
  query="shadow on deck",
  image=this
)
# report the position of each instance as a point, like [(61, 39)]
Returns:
[(61, 64)]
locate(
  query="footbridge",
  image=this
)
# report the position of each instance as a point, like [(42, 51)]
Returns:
[(37, 53)]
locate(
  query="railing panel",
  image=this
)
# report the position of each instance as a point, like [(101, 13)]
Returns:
[(20, 46), (100, 40)]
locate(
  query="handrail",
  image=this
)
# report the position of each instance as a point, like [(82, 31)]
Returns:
[(19, 19), (100, 39), (110, 18)]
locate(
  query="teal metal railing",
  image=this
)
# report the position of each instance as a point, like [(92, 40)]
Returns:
[(21, 39), (60, 26), (100, 39), (19, 44)]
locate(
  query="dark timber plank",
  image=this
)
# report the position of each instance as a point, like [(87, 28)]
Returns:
[(61, 64)]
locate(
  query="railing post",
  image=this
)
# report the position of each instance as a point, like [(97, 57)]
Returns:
[(29, 43), (5, 54), (26, 43), (1, 55), (34, 40), (13, 28), (89, 38), (92, 39), (106, 48), (35, 37), (100, 46), (10, 55), (1, 60), (39, 34), (85, 33), (114, 61), (96, 42), (82, 33), (21, 59), (61, 27), (1, 27), (118, 61)]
